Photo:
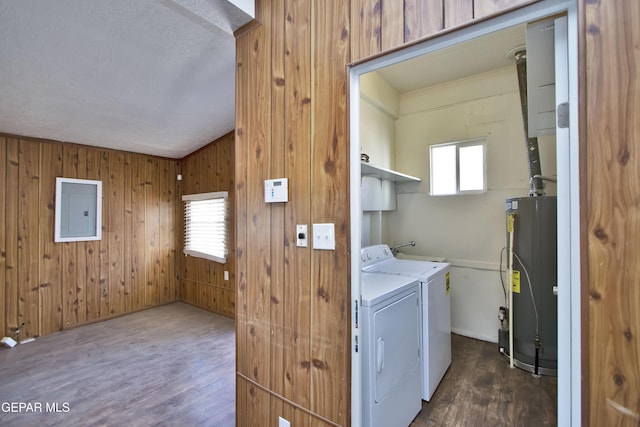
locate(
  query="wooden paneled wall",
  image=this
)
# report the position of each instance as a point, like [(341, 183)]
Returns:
[(380, 25), (611, 57), (202, 281), (292, 311), (52, 286), (293, 303)]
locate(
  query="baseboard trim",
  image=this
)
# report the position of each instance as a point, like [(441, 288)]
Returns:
[(474, 335)]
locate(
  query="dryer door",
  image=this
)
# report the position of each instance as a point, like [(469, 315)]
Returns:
[(396, 341)]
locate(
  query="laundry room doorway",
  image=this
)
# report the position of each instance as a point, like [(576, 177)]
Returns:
[(468, 98)]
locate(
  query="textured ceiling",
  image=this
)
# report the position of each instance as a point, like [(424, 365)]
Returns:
[(476, 56), (148, 76)]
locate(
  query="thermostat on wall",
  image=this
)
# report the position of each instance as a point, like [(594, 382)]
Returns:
[(276, 190)]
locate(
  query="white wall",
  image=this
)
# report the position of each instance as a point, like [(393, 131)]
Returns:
[(378, 115), (468, 230)]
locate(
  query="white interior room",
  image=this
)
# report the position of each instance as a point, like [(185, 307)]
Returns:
[(465, 89), (400, 119)]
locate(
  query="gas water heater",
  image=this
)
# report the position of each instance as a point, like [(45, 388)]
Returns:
[(532, 221)]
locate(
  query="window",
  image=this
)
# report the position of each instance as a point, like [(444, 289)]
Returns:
[(205, 225), (458, 167)]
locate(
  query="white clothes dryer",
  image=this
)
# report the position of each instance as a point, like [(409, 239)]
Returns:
[(391, 363)]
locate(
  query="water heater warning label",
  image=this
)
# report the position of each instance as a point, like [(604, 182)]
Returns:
[(447, 281), (515, 282)]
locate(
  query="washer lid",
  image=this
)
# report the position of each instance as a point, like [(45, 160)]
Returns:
[(379, 287), (411, 268)]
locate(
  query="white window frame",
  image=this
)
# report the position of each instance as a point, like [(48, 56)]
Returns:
[(460, 144), (220, 256)]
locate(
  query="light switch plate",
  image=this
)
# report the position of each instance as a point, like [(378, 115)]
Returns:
[(324, 236), (282, 422)]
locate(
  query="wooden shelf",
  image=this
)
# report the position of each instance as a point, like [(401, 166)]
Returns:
[(367, 169)]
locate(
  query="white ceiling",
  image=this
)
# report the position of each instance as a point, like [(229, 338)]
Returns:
[(158, 76), (480, 55), (147, 76)]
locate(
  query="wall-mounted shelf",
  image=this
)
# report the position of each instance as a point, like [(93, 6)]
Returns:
[(367, 169)]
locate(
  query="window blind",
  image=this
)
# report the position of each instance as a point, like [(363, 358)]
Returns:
[(205, 225)]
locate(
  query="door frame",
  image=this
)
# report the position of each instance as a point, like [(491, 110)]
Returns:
[(569, 310)]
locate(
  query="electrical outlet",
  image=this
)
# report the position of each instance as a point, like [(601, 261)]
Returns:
[(283, 422)]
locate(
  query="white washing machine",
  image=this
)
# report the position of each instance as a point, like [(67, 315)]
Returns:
[(436, 308), (391, 362)]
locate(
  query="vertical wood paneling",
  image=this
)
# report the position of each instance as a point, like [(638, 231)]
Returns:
[(483, 8), (178, 222), (116, 235), (241, 153), (202, 268), (612, 92), (128, 250), (152, 230), (106, 232), (92, 248), (329, 178), (279, 46), (225, 164), (259, 213), (258, 407), (71, 274), (457, 12), (292, 315), (11, 223), (51, 286), (251, 336), (202, 281), (242, 392), (50, 272), (314, 376), (392, 24), (422, 18), (378, 26), (81, 250), (138, 236), (165, 224), (366, 20), (229, 305), (175, 230), (28, 234), (3, 240), (296, 416), (297, 286)]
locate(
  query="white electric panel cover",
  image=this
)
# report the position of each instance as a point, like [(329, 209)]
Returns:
[(276, 190)]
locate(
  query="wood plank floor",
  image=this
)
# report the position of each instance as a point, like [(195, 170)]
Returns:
[(175, 366), (168, 366), (480, 389)]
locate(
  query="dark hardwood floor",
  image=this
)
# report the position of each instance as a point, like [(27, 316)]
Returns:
[(168, 366), (175, 366), (480, 389)]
